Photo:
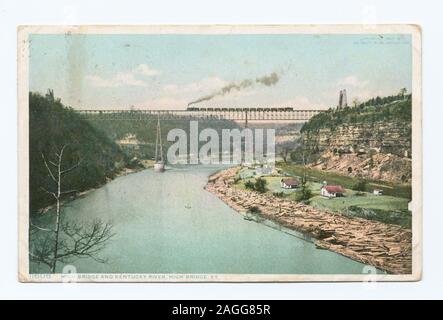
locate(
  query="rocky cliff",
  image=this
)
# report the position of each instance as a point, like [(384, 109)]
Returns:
[(368, 141)]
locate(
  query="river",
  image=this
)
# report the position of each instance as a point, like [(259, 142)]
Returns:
[(167, 223)]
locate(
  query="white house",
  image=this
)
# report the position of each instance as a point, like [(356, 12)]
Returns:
[(289, 183), (332, 191), (129, 139)]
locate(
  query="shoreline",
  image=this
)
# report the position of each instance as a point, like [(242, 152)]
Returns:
[(384, 246), (121, 173)]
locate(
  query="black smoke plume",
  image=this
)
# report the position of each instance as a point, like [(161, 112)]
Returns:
[(268, 81)]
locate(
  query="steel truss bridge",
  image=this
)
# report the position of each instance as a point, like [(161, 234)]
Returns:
[(235, 114)]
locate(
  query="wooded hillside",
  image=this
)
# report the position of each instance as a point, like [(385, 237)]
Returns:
[(51, 126)]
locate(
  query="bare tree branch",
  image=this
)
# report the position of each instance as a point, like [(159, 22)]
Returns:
[(53, 163), (43, 252), (71, 168), (49, 192), (49, 170), (40, 228), (68, 191), (68, 240), (84, 242)]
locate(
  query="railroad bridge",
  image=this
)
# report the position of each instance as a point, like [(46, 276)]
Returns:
[(235, 114)]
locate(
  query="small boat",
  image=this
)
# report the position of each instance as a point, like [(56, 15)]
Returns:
[(248, 217), (159, 165)]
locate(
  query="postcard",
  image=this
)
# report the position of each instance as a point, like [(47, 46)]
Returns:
[(220, 153)]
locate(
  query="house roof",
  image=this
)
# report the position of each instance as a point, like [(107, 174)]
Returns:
[(334, 189), (291, 182)]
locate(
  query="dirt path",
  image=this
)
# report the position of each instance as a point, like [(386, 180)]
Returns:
[(387, 247)]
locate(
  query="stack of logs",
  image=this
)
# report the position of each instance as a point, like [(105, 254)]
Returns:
[(385, 246)]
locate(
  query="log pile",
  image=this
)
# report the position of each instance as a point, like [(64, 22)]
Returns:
[(384, 246)]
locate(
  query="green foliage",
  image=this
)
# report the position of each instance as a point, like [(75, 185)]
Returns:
[(145, 131), (254, 210), (305, 154), (249, 185), (278, 194), (305, 193), (391, 108), (260, 185), (360, 185), (52, 125), (398, 217), (315, 175)]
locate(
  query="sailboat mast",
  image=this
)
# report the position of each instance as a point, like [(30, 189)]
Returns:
[(156, 143), (160, 139), (159, 165)]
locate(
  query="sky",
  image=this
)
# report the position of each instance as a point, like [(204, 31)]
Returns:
[(170, 71)]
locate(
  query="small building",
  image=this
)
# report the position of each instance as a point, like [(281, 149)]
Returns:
[(378, 192), (129, 139), (332, 191), (289, 183)]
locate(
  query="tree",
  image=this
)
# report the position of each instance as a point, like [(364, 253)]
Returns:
[(305, 193), (67, 239), (249, 185), (285, 153), (51, 125), (360, 185), (260, 185), (377, 101), (355, 102)]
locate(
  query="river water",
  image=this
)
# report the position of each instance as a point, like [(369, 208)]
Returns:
[(167, 223)]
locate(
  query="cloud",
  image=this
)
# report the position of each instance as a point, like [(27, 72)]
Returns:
[(363, 95), (145, 70), (122, 79), (301, 102), (352, 81), (164, 103), (197, 87), (118, 80)]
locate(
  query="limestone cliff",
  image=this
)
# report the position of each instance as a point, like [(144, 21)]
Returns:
[(367, 141)]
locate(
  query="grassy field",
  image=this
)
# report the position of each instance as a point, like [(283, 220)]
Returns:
[(386, 208), (389, 189), (366, 200)]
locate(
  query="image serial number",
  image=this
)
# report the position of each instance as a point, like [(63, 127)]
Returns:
[(246, 309)]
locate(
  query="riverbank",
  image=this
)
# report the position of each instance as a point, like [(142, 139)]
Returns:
[(156, 233), (145, 164), (385, 246)]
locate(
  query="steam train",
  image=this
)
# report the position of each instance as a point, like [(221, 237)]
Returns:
[(239, 109)]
